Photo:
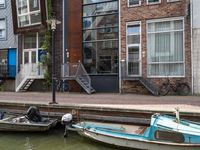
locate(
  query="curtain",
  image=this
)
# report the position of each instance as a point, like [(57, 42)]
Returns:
[(165, 48)]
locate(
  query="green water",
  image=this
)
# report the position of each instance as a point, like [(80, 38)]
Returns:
[(52, 140)]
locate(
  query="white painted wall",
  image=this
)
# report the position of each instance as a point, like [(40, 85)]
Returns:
[(196, 44)]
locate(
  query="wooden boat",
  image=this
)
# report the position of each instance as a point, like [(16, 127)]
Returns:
[(164, 133), (21, 123)]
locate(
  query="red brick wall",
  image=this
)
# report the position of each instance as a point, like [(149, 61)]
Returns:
[(158, 11)]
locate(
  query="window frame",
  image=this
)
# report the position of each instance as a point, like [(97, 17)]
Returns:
[(183, 62), (132, 45), (4, 38), (4, 5), (171, 1), (128, 4), (29, 50), (29, 13), (33, 28), (114, 28), (153, 3)]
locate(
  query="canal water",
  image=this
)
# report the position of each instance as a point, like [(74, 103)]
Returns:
[(51, 140)]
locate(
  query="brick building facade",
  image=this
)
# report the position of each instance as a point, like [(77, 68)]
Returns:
[(144, 15), (122, 44)]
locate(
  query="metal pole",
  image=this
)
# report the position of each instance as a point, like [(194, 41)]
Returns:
[(53, 68)]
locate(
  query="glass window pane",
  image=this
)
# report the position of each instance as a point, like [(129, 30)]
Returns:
[(134, 2), (133, 39), (133, 54), (26, 57), (101, 8), (34, 5), (153, 1), (104, 64), (100, 34), (30, 41), (35, 18), (99, 54), (134, 29), (33, 56), (178, 24), (100, 21), (23, 21), (89, 57), (22, 6), (166, 69), (93, 1)]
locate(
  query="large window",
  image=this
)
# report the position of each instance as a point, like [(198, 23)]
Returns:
[(2, 29), (32, 44), (100, 36), (28, 12), (133, 48), (166, 47)]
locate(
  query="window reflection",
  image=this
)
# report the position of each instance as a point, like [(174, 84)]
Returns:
[(100, 36), (101, 8)]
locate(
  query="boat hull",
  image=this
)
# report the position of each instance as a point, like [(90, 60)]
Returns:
[(138, 144), (8, 125)]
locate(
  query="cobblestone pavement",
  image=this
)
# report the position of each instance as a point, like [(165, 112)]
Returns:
[(114, 100)]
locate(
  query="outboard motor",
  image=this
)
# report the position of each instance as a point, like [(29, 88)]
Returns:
[(67, 121), (2, 115), (33, 114)]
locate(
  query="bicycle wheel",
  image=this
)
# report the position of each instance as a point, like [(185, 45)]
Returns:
[(164, 89), (183, 89)]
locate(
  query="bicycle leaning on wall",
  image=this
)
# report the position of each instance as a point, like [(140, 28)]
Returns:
[(178, 87)]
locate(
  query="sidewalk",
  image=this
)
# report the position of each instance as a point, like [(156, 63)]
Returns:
[(105, 100)]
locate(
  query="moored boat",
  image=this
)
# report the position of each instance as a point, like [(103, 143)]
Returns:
[(164, 133), (31, 122)]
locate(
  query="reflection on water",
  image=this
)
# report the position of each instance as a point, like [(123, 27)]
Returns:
[(52, 140)]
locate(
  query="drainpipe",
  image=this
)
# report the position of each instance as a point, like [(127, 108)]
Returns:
[(64, 40), (120, 69), (192, 50)]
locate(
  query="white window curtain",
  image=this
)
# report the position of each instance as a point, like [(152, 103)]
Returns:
[(165, 48)]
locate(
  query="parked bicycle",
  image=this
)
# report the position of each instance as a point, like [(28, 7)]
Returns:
[(61, 85), (178, 87)]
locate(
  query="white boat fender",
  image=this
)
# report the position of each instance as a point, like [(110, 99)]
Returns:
[(67, 121)]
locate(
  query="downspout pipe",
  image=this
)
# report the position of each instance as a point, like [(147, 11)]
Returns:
[(120, 69), (192, 50)]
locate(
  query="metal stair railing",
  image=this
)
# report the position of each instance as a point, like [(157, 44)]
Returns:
[(150, 86), (76, 71), (83, 78), (69, 70), (28, 71)]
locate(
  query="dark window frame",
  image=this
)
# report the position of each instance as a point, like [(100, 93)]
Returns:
[(32, 28)]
